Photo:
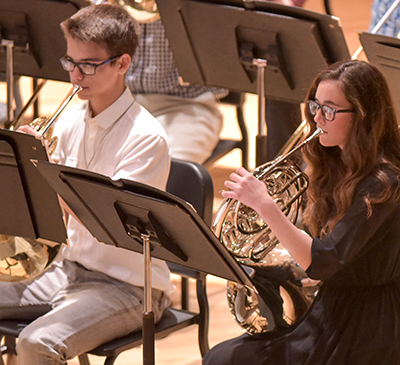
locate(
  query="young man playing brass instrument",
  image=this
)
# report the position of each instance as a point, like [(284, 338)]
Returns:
[(94, 292)]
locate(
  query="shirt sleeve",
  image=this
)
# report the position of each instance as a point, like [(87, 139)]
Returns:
[(351, 236), (147, 161)]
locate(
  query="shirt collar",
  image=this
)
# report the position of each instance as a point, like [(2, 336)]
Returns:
[(112, 113)]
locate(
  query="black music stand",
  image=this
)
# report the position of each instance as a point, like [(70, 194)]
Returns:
[(29, 207), (258, 47), (143, 219), (34, 27), (32, 41), (384, 53)]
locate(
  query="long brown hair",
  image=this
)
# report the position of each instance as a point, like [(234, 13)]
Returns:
[(372, 147)]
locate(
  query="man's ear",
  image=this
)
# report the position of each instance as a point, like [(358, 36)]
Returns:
[(124, 62)]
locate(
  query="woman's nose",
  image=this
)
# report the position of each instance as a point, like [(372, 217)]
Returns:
[(319, 118)]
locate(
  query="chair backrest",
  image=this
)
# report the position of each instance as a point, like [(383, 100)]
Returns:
[(192, 182)]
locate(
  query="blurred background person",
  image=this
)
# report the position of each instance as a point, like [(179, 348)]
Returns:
[(190, 113), (392, 26)]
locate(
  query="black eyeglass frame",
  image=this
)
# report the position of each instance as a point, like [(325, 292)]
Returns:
[(324, 108), (64, 60)]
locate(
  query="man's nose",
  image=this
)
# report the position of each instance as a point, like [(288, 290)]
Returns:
[(76, 74)]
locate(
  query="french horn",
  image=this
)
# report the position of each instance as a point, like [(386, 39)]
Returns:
[(244, 234), (23, 258), (45, 125)]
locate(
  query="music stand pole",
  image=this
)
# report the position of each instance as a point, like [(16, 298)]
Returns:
[(148, 329), (9, 44), (261, 139)]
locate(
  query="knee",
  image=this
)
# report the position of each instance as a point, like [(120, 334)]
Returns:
[(35, 347)]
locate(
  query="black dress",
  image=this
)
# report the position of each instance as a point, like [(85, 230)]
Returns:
[(355, 318)]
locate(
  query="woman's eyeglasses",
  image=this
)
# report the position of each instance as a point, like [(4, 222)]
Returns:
[(85, 68), (328, 112)]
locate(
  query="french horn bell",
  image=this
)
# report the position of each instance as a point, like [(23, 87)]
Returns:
[(25, 258), (249, 239)]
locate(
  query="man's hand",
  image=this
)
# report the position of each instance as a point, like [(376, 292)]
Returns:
[(28, 129)]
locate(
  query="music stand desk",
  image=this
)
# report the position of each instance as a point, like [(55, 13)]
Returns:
[(34, 27), (146, 220), (29, 207), (215, 41), (384, 52)]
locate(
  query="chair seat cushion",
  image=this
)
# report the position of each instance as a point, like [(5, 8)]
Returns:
[(12, 328), (172, 320)]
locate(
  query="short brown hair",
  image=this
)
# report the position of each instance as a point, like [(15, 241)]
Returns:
[(107, 25)]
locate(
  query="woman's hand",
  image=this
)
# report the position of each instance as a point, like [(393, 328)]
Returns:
[(252, 192), (247, 189)]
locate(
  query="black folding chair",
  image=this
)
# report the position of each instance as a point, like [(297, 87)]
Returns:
[(192, 183)]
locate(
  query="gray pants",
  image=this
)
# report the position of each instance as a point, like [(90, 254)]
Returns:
[(78, 310)]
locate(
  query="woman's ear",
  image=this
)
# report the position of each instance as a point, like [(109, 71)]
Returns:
[(124, 63)]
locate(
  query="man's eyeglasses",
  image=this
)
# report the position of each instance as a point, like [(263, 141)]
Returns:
[(328, 112), (85, 68)]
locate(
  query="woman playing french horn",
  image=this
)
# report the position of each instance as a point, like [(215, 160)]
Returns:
[(353, 219)]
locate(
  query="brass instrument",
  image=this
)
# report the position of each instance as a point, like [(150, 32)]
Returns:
[(44, 125), (144, 11), (24, 258), (252, 243)]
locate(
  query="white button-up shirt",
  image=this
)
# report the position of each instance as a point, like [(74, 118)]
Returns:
[(124, 141)]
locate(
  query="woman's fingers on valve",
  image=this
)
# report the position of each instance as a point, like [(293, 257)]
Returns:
[(240, 175), (243, 172), (238, 184)]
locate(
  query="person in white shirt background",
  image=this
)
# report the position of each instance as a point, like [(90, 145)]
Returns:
[(94, 292)]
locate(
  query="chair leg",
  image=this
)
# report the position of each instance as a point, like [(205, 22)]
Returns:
[(3, 350), (204, 316), (12, 359), (110, 360), (185, 293), (83, 359), (8, 355)]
